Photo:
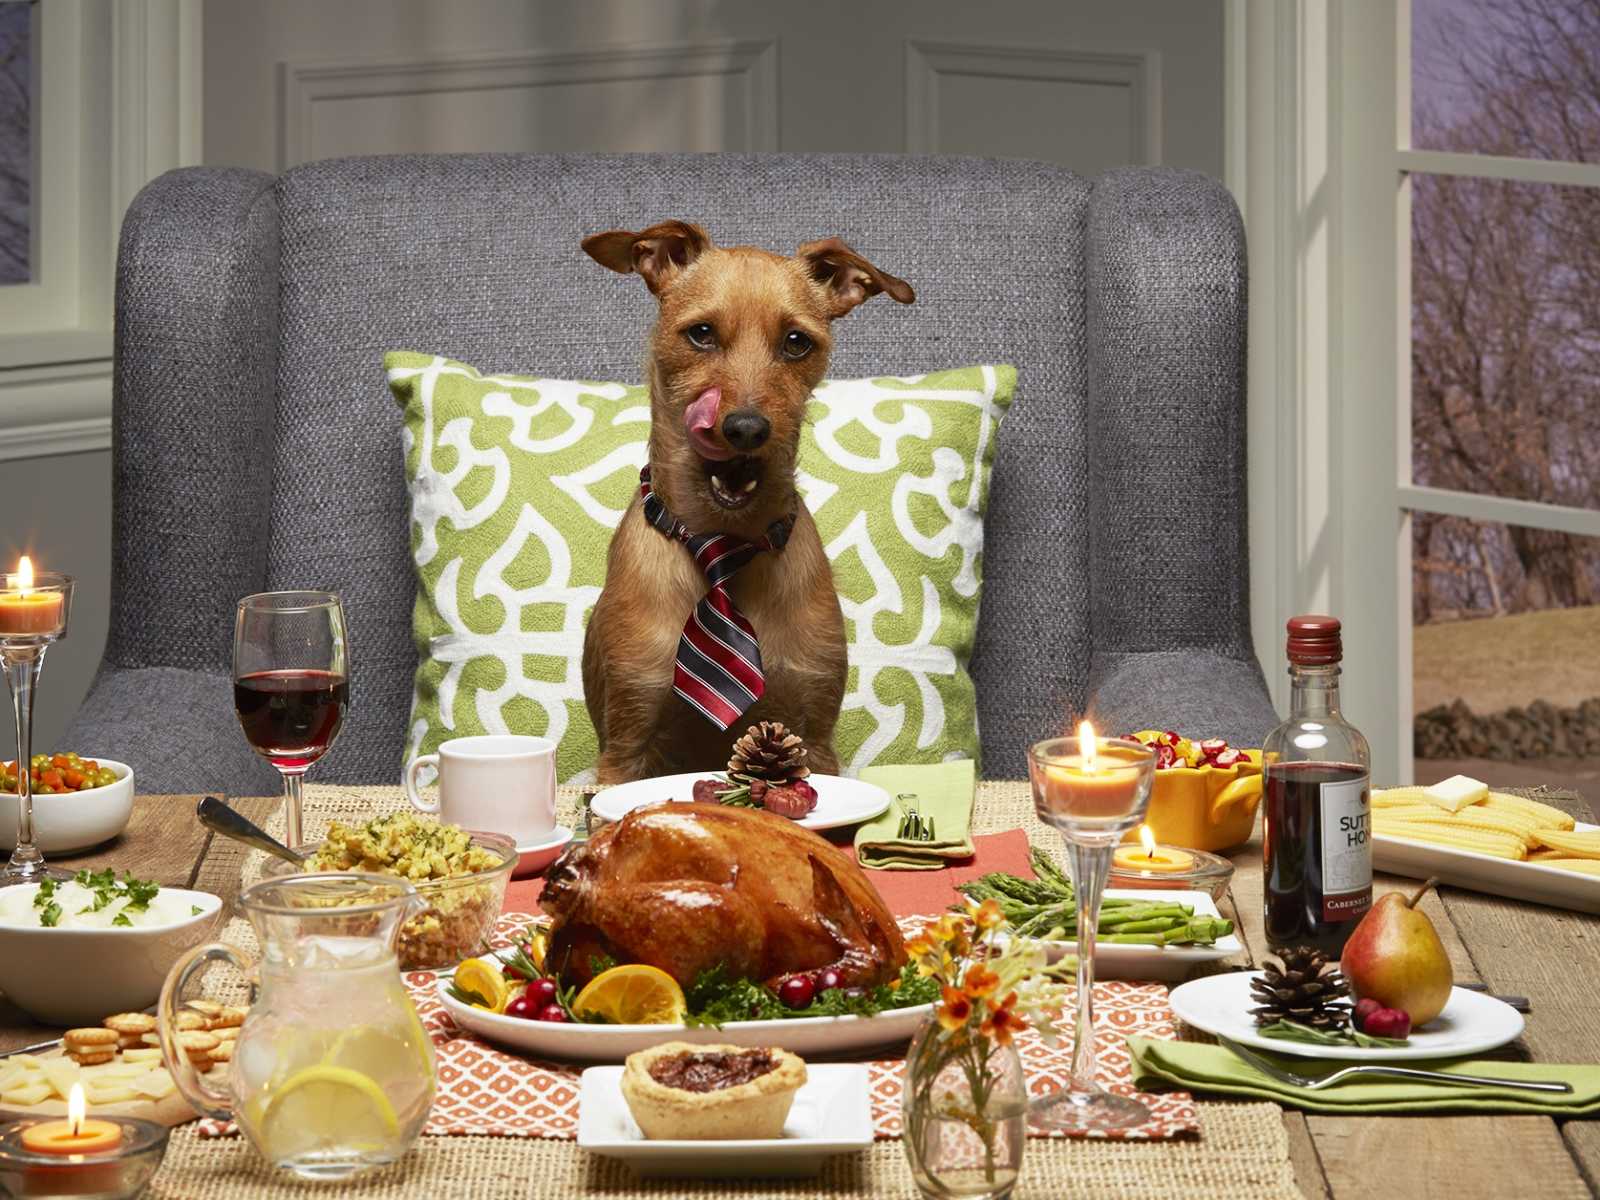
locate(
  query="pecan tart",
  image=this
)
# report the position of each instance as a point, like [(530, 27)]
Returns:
[(682, 1092)]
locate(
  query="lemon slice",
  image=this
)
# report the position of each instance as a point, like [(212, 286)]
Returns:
[(485, 979), (373, 1051), (322, 1106), (633, 994)]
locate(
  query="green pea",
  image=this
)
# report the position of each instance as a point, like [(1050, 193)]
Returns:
[(104, 777)]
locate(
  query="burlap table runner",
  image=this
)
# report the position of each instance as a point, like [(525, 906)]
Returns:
[(1243, 1151)]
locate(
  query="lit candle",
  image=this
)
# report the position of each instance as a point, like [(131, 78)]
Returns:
[(1097, 783), (1150, 857), (78, 1134), (24, 610)]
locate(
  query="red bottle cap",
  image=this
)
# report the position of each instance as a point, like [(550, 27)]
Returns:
[(1314, 641)]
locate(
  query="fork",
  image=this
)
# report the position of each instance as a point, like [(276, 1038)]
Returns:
[(913, 825), (1315, 1083)]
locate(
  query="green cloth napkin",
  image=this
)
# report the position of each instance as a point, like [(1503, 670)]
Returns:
[(1200, 1067), (942, 791)]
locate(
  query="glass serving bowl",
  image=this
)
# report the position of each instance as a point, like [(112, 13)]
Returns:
[(461, 912)]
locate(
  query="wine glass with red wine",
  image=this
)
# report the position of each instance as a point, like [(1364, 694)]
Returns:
[(290, 683)]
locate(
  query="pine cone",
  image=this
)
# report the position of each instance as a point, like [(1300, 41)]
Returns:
[(1302, 987), (771, 753)]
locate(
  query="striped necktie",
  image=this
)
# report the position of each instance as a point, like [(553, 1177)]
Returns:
[(718, 665)]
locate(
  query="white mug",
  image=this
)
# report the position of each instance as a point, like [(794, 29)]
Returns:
[(497, 783)]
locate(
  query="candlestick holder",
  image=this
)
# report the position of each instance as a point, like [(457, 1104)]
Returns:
[(33, 617), (116, 1174), (1093, 790)]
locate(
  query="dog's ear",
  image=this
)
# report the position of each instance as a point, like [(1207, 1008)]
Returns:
[(657, 253), (849, 278)]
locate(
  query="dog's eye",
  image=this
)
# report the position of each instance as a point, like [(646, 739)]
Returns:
[(701, 336), (796, 344)]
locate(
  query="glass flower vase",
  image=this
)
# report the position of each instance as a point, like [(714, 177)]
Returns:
[(964, 1112)]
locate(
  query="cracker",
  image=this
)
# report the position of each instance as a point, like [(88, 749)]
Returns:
[(231, 1017), (196, 1042), (227, 1033), (206, 1008), (90, 1058), (89, 1039), (130, 1022), (222, 1052), (190, 1021), (130, 1041)]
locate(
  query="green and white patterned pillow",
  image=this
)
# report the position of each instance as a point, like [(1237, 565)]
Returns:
[(517, 482)]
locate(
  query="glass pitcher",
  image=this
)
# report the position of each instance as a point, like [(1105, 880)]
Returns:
[(332, 1072)]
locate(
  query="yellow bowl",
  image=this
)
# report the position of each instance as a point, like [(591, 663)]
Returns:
[(1204, 808)]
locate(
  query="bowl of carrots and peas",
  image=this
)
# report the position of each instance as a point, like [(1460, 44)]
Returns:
[(78, 802)]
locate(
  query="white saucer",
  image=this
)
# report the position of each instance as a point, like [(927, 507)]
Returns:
[(536, 856), (840, 801)]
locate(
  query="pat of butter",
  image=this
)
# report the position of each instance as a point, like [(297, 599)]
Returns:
[(1456, 793)]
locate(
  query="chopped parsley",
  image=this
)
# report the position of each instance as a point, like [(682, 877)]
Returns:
[(44, 901), (121, 919), (195, 910), (50, 914)]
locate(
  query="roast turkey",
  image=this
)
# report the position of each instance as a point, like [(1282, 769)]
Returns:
[(686, 887)]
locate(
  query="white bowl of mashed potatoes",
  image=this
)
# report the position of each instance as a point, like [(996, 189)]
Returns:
[(96, 946)]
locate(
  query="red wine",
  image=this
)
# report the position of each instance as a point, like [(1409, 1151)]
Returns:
[(1314, 838), (291, 717)]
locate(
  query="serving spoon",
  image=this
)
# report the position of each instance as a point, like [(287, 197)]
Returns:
[(231, 823)]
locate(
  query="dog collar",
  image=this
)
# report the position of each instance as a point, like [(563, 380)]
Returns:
[(655, 511)]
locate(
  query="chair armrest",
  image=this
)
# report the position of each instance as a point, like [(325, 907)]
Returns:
[(1165, 310), (175, 728), (1195, 692), (193, 413)]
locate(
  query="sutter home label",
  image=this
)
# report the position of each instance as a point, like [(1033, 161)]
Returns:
[(1346, 849)]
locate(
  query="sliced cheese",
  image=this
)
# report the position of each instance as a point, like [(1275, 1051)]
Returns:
[(60, 1074), (142, 1054), (114, 1094), (1456, 793), (156, 1085), (29, 1093)]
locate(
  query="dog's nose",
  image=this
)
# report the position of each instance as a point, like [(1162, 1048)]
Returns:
[(746, 429)]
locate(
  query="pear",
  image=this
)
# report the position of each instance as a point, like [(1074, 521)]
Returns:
[(1394, 956)]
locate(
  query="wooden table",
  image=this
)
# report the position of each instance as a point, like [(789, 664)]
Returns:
[(1551, 956)]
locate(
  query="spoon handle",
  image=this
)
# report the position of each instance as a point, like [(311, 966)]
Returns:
[(231, 823)]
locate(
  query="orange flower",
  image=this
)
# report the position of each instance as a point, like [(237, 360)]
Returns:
[(987, 915), (944, 929), (1002, 1023), (955, 1011), (980, 982), (920, 946)]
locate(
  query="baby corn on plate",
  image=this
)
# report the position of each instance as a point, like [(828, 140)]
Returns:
[(1492, 842)]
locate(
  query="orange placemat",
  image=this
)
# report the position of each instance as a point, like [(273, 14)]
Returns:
[(487, 1090)]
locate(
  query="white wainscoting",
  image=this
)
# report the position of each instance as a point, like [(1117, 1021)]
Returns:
[(1091, 108), (707, 95)]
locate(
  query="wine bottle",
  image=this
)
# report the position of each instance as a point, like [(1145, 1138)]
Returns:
[(1316, 840)]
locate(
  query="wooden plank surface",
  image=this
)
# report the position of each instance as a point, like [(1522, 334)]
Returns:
[(163, 842), (223, 858), (1444, 1158)]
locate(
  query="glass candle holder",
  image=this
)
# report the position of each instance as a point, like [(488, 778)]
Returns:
[(116, 1174), (1093, 790), (33, 617)]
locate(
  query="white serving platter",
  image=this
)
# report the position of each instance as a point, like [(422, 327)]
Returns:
[(576, 1042), (840, 801), (1470, 1023), (832, 1114), (1164, 963), (1485, 873)]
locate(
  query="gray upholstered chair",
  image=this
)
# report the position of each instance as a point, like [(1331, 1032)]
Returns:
[(257, 447)]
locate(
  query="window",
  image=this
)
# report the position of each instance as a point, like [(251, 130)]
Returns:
[(18, 159), (1504, 502)]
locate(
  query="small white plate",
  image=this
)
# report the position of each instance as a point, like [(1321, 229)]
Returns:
[(832, 1114), (1485, 873), (1164, 963), (1470, 1023), (67, 822), (574, 1042), (536, 856), (840, 801)]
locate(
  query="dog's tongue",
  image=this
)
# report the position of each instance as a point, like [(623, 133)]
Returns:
[(700, 419)]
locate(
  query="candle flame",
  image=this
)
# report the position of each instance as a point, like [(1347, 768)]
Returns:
[(1148, 841), (24, 575), (1086, 746), (77, 1105)]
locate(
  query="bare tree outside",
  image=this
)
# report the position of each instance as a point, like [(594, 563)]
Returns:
[(16, 141), (1506, 375)]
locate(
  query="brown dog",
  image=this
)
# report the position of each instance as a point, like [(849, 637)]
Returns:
[(742, 339)]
